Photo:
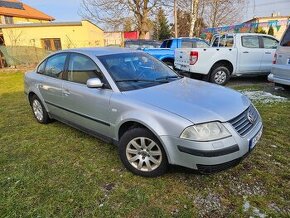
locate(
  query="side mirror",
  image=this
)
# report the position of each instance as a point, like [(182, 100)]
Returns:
[(94, 83)]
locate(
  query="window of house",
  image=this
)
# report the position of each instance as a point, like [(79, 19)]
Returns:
[(250, 41), (8, 20), (51, 44), (54, 66), (81, 68)]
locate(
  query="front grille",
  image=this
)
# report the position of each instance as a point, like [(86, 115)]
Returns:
[(244, 122)]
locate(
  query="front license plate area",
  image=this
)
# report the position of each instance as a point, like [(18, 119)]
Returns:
[(255, 140)]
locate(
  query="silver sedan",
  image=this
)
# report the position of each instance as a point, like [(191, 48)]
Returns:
[(155, 116)]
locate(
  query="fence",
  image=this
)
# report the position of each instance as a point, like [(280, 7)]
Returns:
[(22, 55)]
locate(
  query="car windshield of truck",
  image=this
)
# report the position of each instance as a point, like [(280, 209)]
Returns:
[(137, 70)]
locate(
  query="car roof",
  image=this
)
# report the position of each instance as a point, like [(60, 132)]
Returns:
[(100, 51)]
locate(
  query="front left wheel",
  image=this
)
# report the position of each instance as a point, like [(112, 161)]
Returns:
[(142, 153)]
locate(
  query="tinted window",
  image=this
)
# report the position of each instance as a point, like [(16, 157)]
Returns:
[(250, 41), (82, 68), (216, 42), (286, 39), (55, 66), (166, 44), (270, 42)]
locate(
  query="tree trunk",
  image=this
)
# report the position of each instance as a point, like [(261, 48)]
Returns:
[(193, 16), (175, 19)]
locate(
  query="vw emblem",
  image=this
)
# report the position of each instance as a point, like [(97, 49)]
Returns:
[(251, 117)]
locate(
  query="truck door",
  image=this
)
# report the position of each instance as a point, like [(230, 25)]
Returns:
[(250, 54), (269, 47)]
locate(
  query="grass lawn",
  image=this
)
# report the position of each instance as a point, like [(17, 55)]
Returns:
[(55, 170)]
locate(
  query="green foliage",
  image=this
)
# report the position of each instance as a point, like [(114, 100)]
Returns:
[(271, 31), (260, 30), (161, 28)]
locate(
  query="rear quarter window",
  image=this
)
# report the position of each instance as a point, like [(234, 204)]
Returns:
[(286, 39)]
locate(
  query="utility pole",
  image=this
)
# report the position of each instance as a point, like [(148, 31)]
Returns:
[(193, 16), (175, 19)]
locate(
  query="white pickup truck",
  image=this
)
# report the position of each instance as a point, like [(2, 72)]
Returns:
[(229, 55)]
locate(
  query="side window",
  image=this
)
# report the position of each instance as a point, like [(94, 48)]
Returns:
[(166, 44), (286, 39), (81, 68), (55, 66), (215, 42), (40, 68), (187, 44), (201, 44), (270, 43), (250, 41)]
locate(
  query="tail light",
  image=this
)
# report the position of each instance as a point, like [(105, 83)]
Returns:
[(193, 57), (275, 58)]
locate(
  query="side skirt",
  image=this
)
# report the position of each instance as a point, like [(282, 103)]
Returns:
[(85, 130)]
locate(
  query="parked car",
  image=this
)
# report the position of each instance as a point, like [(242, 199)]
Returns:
[(141, 44), (155, 116), (281, 65), (166, 51), (237, 54)]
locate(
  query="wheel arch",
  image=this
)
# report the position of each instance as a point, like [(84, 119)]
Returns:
[(32, 93), (225, 63), (131, 123)]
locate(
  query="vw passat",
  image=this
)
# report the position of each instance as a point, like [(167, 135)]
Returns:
[(155, 116)]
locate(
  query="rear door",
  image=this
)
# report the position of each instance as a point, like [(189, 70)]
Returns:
[(86, 107), (51, 85), (269, 47), (250, 54)]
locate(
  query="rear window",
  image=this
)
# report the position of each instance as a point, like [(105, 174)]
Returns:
[(286, 39), (250, 41)]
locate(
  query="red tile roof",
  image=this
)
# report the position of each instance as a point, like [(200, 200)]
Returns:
[(28, 12)]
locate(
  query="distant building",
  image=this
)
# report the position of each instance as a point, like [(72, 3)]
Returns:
[(54, 35), (25, 31), (274, 20)]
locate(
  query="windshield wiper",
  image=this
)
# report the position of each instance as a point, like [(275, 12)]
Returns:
[(169, 77), (141, 80)]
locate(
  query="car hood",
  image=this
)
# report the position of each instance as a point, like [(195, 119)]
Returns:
[(194, 100)]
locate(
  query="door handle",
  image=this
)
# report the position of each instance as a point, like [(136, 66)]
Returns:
[(268, 52), (246, 52), (66, 92)]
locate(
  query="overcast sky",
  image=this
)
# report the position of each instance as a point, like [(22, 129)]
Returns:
[(68, 10)]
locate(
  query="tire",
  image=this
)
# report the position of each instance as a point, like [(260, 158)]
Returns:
[(142, 153), (220, 75), (39, 110)]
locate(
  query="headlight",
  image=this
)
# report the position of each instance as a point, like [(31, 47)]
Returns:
[(205, 132)]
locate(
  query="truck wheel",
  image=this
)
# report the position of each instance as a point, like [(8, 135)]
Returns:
[(142, 153), (220, 75)]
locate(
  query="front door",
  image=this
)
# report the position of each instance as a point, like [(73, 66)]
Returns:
[(86, 107), (250, 55)]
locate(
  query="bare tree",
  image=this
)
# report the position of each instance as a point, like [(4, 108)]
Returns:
[(193, 16), (223, 12), (115, 12)]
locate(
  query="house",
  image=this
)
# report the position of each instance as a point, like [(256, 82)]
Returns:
[(279, 24), (27, 34), (53, 36)]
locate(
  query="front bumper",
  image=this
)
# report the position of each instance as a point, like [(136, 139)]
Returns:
[(210, 156)]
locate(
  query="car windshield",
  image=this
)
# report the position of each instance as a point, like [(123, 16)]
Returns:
[(137, 70)]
